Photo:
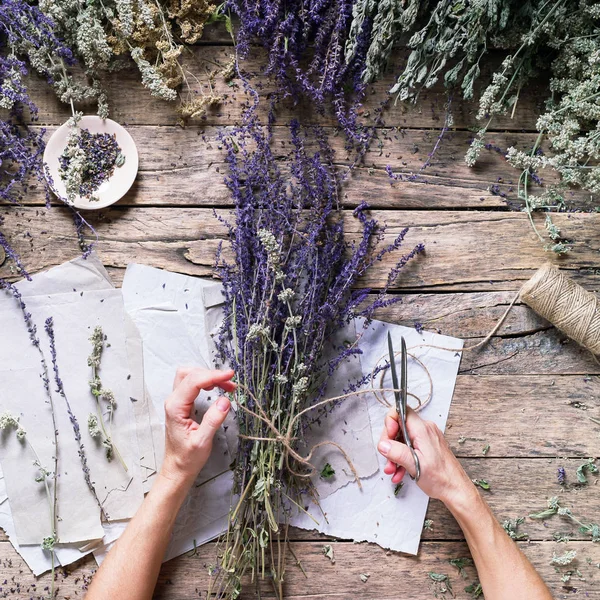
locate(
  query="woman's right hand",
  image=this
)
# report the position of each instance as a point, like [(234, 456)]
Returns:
[(442, 476)]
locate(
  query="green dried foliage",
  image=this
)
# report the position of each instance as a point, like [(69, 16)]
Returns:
[(449, 42), (103, 34)]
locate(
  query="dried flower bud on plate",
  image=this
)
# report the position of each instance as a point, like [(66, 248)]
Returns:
[(110, 182)]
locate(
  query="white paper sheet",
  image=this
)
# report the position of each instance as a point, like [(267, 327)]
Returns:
[(89, 274), (77, 275), (75, 315), (374, 513), (167, 345), (37, 559)]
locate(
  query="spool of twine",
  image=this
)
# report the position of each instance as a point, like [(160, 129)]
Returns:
[(568, 306)]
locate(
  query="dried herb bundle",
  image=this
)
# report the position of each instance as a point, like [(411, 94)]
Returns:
[(288, 288)]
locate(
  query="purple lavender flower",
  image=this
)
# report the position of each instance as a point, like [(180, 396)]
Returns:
[(305, 46), (49, 327), (561, 476)]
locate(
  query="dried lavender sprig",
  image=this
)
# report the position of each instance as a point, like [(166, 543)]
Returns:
[(32, 331), (49, 327)]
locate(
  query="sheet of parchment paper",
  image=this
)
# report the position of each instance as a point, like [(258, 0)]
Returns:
[(37, 559), (167, 345), (145, 287), (75, 315), (203, 518), (86, 274), (391, 521)]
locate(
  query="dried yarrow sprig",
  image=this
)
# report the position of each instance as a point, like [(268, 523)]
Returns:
[(288, 288), (97, 428), (306, 53), (554, 508)]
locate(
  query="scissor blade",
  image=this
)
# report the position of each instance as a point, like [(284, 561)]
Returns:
[(404, 375), (397, 394)]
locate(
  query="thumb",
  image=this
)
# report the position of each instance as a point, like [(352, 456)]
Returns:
[(213, 419), (398, 453)]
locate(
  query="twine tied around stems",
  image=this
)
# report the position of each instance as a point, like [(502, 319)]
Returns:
[(286, 439)]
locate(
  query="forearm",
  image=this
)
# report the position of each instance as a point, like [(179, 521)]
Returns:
[(131, 567), (504, 571)]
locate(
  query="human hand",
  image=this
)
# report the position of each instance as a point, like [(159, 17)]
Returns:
[(188, 444), (442, 476)]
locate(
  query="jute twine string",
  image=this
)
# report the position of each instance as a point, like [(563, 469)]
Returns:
[(564, 303), (286, 439), (550, 293)]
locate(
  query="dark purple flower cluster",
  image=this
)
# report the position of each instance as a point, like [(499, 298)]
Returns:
[(561, 476), (292, 261), (305, 45)]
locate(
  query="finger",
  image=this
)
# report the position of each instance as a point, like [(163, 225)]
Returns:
[(414, 423), (391, 424), (211, 421), (398, 476), (398, 453), (181, 401), (390, 468), (180, 374)]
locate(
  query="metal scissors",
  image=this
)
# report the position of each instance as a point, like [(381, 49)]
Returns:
[(402, 397)]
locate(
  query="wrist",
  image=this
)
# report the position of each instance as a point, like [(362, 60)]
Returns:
[(175, 478), (461, 498)]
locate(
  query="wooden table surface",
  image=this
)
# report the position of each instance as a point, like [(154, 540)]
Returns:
[(528, 394)]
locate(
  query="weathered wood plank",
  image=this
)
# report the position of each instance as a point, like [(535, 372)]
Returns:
[(391, 575), (186, 167), (525, 343), (465, 251), (525, 416), (132, 104)]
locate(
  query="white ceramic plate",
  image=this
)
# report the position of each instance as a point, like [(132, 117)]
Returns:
[(111, 190)]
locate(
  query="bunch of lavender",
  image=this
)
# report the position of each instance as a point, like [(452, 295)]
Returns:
[(288, 288), (306, 53), (21, 149), (152, 32)]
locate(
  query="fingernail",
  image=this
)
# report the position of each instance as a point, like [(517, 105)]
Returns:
[(384, 447), (223, 404)]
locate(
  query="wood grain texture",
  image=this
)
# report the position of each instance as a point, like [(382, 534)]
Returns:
[(465, 251), (190, 164), (126, 91), (391, 575), (529, 393)]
